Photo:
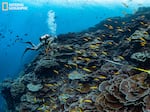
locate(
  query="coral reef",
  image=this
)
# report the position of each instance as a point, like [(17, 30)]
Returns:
[(124, 94), (141, 56), (34, 87), (74, 75)]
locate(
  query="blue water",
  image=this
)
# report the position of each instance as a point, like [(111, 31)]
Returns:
[(33, 22)]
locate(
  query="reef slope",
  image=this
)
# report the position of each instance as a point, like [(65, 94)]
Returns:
[(89, 71)]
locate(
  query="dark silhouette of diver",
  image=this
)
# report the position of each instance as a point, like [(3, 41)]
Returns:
[(44, 40)]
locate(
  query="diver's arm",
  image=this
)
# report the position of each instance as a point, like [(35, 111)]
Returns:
[(39, 46), (28, 42)]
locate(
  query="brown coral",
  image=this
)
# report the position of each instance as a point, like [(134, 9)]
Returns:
[(124, 94)]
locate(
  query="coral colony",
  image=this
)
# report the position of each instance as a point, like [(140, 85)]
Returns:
[(102, 69)]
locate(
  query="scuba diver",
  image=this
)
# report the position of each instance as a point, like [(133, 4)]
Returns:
[(44, 40)]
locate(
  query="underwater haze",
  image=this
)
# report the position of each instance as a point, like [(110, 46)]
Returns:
[(28, 25), (58, 18)]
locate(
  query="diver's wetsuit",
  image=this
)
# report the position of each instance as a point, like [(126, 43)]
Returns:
[(44, 40)]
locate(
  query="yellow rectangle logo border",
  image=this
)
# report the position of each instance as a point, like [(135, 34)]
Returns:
[(3, 6)]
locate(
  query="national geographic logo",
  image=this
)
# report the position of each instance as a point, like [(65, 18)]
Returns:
[(4, 6), (13, 6)]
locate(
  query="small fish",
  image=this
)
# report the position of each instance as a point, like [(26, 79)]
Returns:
[(142, 23), (98, 44), (143, 44), (86, 69), (87, 59), (81, 100), (55, 71), (132, 20), (146, 24), (102, 77), (110, 35), (117, 73), (98, 38), (123, 23), (116, 22), (75, 65), (85, 39), (74, 58), (70, 66), (110, 27), (93, 87), (13, 43), (69, 47), (43, 100), (125, 5), (142, 39), (94, 54), (25, 34), (80, 58), (96, 79), (93, 46), (40, 109), (87, 101), (118, 27), (66, 65), (49, 85), (79, 52), (8, 45), (103, 35), (35, 100), (104, 52), (142, 16), (121, 57), (105, 25), (140, 4), (109, 20), (89, 38), (18, 39), (54, 107), (120, 30), (17, 35), (83, 51), (110, 43), (124, 13), (129, 30), (80, 67), (93, 66), (80, 84), (55, 84), (146, 33)]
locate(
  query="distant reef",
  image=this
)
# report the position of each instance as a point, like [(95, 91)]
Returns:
[(103, 69)]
